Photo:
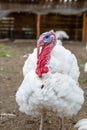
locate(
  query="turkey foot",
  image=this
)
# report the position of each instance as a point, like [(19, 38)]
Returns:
[(62, 124)]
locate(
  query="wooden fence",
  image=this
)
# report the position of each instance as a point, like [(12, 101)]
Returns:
[(24, 25)]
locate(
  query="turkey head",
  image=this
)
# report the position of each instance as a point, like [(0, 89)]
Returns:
[(45, 44)]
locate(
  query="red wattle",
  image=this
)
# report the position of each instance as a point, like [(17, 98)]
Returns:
[(45, 69), (38, 72), (43, 58)]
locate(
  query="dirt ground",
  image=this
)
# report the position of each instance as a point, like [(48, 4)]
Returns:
[(11, 63)]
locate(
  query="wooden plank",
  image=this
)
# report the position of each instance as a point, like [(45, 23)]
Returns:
[(84, 36), (38, 25)]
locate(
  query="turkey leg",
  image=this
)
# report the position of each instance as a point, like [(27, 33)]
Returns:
[(62, 124), (42, 121)]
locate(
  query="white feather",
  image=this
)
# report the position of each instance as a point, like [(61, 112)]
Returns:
[(62, 97), (85, 67), (61, 35), (86, 46), (59, 42), (82, 124), (62, 61)]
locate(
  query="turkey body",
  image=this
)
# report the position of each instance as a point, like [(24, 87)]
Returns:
[(52, 93), (50, 81), (62, 61), (81, 125), (61, 34), (85, 67)]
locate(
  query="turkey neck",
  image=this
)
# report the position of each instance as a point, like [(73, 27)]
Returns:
[(43, 59)]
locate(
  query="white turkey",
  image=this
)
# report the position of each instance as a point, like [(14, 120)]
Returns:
[(44, 90), (86, 46), (85, 67), (82, 124), (61, 34), (62, 61)]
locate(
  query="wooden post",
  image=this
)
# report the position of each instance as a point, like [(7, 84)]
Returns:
[(84, 36), (38, 25), (76, 30)]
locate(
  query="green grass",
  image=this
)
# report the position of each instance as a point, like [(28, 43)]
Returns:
[(2, 45), (82, 81), (5, 51), (6, 54)]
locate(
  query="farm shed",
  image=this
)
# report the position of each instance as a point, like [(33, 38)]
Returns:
[(27, 19)]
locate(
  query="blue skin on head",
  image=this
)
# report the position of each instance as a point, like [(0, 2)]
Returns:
[(47, 37)]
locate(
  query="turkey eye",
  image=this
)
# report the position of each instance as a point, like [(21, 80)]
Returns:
[(46, 37)]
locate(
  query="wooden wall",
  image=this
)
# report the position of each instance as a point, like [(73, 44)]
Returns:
[(25, 25), (71, 24), (18, 25)]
